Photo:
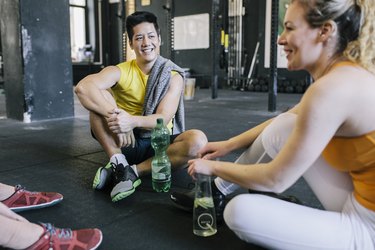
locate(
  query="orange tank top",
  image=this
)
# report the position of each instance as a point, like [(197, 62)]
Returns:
[(355, 155)]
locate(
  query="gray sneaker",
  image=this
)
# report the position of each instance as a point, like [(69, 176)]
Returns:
[(103, 176), (124, 181)]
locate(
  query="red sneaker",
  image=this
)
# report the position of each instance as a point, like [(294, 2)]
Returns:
[(61, 239), (23, 200)]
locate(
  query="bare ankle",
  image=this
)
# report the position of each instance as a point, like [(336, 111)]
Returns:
[(32, 234)]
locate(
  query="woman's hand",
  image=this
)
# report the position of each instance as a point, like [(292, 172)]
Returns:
[(201, 166), (213, 150)]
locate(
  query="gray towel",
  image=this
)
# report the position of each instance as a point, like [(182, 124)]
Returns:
[(157, 87)]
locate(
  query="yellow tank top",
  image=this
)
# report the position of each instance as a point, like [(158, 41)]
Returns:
[(130, 90), (356, 155)]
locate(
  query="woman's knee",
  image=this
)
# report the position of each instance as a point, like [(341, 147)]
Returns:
[(245, 211), (275, 135), (236, 211)]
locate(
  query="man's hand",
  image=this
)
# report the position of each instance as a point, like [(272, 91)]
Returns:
[(126, 139), (120, 121)]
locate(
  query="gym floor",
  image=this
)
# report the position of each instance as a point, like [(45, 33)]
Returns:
[(61, 156)]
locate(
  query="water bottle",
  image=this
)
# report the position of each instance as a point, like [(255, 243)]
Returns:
[(160, 165), (204, 217)]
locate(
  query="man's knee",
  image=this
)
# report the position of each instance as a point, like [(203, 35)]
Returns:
[(195, 140)]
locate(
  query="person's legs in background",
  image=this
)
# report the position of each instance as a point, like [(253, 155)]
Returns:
[(17, 198), (18, 233)]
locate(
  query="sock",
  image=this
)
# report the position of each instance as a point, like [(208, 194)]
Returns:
[(134, 167), (119, 158), (218, 187)]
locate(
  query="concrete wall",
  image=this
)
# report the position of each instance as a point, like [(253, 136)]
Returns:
[(37, 65)]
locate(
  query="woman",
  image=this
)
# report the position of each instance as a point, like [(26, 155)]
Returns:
[(18, 233), (329, 138)]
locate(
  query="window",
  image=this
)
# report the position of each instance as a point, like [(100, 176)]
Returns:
[(78, 12)]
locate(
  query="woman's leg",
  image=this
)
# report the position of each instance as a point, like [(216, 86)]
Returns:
[(5, 191), (16, 232), (329, 185), (254, 154), (276, 224), (264, 148), (325, 181)]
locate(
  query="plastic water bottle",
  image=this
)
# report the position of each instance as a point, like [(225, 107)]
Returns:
[(160, 165), (204, 217)]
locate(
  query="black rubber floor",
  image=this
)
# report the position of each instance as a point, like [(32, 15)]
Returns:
[(61, 156)]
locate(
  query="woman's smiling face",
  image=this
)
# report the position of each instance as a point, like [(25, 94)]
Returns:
[(300, 41)]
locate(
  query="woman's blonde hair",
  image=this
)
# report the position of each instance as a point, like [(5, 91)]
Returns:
[(356, 24), (362, 50)]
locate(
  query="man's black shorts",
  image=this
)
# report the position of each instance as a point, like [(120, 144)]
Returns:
[(142, 149)]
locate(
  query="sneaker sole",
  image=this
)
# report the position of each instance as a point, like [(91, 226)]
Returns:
[(25, 208), (123, 195), (99, 179), (98, 244)]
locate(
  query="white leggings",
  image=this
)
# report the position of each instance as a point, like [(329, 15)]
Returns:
[(276, 224)]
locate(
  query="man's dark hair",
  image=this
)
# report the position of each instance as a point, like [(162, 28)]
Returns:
[(140, 17)]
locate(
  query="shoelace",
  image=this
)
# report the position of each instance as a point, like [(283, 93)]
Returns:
[(65, 233), (20, 188), (123, 173), (119, 172)]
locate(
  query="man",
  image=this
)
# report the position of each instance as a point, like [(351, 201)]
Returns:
[(124, 102)]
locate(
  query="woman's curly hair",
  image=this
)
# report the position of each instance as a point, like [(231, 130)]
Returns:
[(356, 24)]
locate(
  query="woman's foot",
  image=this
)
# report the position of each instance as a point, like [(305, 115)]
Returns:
[(58, 239), (22, 199)]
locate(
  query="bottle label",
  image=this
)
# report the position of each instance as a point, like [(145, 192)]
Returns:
[(205, 221), (159, 176), (157, 169)]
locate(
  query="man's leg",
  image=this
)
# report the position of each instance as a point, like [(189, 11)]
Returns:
[(124, 177), (184, 147), (101, 131)]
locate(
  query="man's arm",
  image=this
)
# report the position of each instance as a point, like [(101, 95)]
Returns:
[(166, 109), (90, 90)]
